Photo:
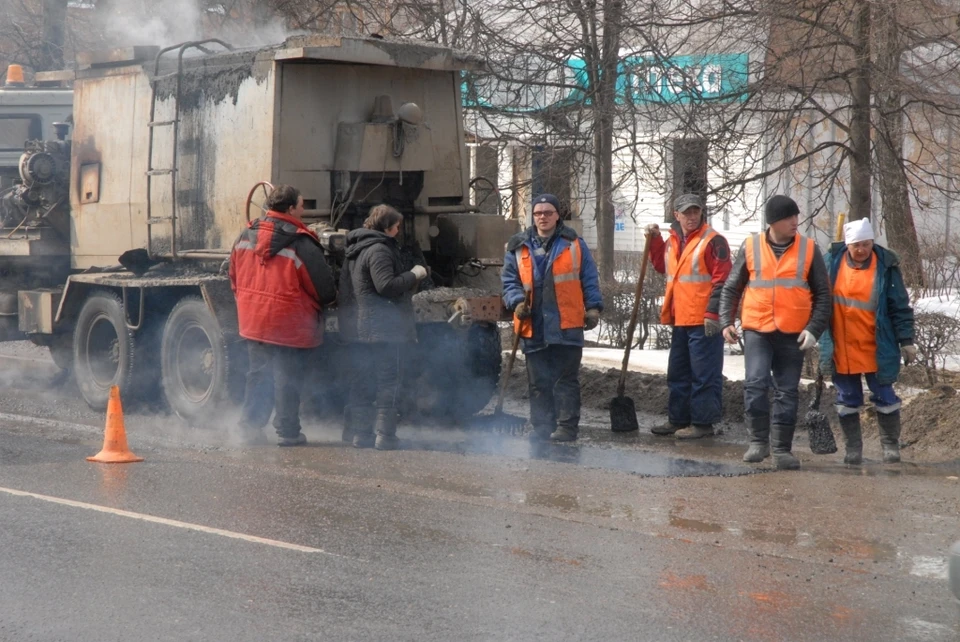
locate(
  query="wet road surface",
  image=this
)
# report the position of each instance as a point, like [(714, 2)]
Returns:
[(459, 536)]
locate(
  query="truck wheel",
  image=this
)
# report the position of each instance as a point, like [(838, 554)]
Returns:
[(458, 369), (105, 351), (195, 364)]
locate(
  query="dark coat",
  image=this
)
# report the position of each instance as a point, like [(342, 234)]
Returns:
[(894, 314), (546, 315), (376, 294)]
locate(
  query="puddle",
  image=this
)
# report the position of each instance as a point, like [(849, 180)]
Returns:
[(646, 464)]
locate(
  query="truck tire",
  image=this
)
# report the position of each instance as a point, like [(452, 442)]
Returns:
[(107, 353), (458, 370), (196, 369)]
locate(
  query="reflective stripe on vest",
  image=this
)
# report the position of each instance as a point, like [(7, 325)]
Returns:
[(777, 296), (689, 283), (854, 321), (568, 292)]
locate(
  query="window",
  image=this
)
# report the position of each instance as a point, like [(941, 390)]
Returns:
[(16, 130)]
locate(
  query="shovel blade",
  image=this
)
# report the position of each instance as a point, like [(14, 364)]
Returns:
[(821, 437), (623, 415)]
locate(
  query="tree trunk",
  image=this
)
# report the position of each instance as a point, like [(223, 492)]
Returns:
[(604, 114), (860, 116), (901, 233), (54, 30)]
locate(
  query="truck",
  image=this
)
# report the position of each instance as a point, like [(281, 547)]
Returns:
[(119, 210)]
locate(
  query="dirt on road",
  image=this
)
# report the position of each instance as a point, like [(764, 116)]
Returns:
[(931, 420)]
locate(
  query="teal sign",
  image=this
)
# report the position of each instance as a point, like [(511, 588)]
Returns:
[(641, 80)]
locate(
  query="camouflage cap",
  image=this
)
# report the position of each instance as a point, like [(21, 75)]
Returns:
[(686, 201)]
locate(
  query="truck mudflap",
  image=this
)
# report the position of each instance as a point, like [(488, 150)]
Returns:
[(215, 289)]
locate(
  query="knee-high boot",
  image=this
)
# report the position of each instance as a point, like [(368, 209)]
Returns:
[(890, 436), (850, 425)]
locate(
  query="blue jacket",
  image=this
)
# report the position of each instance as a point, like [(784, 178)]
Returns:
[(894, 314), (546, 315)]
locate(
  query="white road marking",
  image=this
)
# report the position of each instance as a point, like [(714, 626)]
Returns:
[(169, 522)]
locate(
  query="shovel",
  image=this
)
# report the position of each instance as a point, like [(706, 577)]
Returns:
[(501, 421), (623, 413), (821, 437)]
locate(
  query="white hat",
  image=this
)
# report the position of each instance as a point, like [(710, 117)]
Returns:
[(858, 231)]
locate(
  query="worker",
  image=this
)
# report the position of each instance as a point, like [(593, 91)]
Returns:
[(871, 329), (786, 307), (550, 281), (696, 260), (377, 320), (281, 282)]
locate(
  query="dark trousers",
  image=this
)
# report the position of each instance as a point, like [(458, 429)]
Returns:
[(553, 376), (695, 377), (772, 359), (375, 375), (274, 381)]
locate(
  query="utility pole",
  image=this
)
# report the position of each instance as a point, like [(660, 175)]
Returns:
[(53, 36)]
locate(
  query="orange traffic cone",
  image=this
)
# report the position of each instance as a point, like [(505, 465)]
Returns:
[(115, 449)]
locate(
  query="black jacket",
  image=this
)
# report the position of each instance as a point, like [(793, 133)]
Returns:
[(376, 294)]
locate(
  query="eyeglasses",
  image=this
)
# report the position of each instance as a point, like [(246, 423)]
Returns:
[(542, 214)]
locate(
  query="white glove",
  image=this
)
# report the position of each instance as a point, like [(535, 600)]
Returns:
[(653, 228), (806, 340), (909, 353), (419, 271)]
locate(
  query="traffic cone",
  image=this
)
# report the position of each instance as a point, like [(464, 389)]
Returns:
[(115, 449)]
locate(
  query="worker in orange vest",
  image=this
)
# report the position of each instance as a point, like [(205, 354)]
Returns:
[(551, 283), (696, 261), (871, 329), (786, 307)]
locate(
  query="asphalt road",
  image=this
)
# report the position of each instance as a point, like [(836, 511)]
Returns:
[(477, 538)]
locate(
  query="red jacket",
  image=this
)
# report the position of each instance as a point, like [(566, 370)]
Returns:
[(281, 282), (716, 259)]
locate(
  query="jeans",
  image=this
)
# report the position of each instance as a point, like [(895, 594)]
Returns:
[(695, 377), (772, 358), (850, 394), (274, 381), (553, 377), (375, 375)]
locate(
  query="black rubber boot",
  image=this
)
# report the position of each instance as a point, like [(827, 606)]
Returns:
[(386, 429), (850, 425), (361, 425), (781, 438), (890, 436), (759, 429)]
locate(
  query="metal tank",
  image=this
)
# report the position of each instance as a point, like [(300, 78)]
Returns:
[(167, 151)]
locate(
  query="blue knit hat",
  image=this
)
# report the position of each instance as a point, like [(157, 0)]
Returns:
[(547, 198)]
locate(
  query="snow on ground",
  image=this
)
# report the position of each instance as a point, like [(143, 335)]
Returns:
[(653, 361), (948, 305)]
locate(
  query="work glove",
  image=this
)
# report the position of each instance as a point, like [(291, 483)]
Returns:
[(711, 328), (419, 271), (653, 228), (522, 311), (806, 340), (730, 334), (591, 319), (909, 354)]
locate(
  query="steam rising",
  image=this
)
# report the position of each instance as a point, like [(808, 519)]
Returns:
[(135, 22)]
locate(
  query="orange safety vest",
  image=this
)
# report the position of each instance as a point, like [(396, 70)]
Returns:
[(778, 295), (854, 323), (566, 285), (689, 282)]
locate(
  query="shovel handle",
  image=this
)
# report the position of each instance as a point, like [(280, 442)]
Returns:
[(621, 384), (818, 392), (505, 377)]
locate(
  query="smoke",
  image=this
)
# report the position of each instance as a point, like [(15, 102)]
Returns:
[(135, 22)]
